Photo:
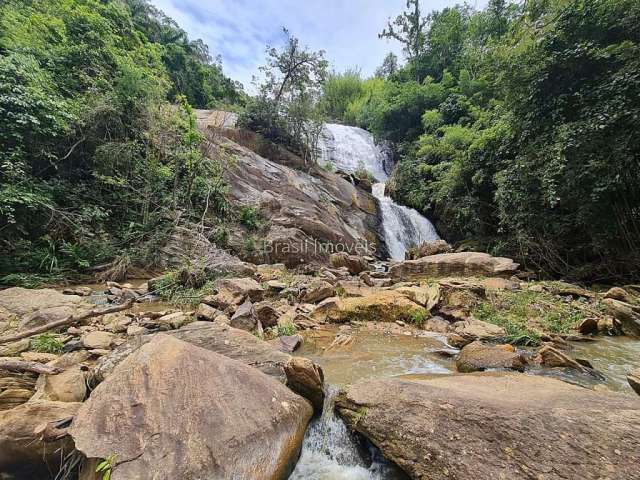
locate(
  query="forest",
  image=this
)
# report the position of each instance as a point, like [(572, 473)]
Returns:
[(515, 129)]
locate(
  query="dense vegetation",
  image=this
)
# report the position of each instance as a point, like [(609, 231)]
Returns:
[(99, 150), (515, 128)]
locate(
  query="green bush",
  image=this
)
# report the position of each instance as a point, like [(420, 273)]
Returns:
[(46, 343)]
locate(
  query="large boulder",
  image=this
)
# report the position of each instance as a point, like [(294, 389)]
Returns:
[(381, 306), (626, 313), (36, 307), (453, 264), (173, 410), (428, 248), (496, 425), (305, 378), (23, 453), (354, 263), (316, 291)]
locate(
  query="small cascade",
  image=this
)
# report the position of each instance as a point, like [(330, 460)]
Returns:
[(330, 451), (351, 149)]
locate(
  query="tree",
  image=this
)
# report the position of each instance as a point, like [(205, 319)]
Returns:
[(409, 29), (389, 66), (292, 68)]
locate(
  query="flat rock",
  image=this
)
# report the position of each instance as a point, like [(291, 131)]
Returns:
[(317, 291), (172, 410), (453, 264), (496, 425), (478, 329)]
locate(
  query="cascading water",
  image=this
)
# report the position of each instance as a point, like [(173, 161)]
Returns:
[(329, 451), (351, 149)]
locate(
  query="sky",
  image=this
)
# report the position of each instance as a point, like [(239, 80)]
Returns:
[(239, 30)]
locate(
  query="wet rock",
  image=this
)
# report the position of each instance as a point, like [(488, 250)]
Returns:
[(634, 380), (244, 318), (428, 248), (453, 264), (478, 356), (459, 341), (305, 378), (247, 425), (317, 291), (627, 314), (206, 312), (354, 263), (23, 454), (97, 340), (588, 326), (496, 425), (381, 306), (549, 356)]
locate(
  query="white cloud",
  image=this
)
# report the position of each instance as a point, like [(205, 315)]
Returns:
[(238, 30)]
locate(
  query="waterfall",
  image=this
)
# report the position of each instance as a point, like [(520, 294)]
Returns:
[(351, 149), (330, 452)]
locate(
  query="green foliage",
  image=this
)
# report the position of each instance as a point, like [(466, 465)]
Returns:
[(185, 287), (46, 343), (250, 217), (105, 466), (94, 161), (338, 91), (287, 110), (418, 317), (284, 330), (525, 315), (518, 134)]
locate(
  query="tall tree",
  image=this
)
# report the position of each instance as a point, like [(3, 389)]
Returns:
[(409, 29), (389, 66)]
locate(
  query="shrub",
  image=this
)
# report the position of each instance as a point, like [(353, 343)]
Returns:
[(46, 343)]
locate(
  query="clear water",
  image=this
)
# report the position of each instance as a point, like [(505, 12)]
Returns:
[(331, 452), (351, 149)]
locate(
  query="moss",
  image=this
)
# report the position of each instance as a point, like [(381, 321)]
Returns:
[(527, 314)]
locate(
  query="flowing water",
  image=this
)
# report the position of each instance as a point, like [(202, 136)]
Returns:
[(351, 149), (330, 451)]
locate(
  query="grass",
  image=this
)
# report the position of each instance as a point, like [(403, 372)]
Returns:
[(283, 330), (46, 343), (171, 290), (526, 315), (418, 317)]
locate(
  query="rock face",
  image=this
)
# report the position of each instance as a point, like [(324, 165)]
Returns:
[(495, 426), (22, 452), (173, 410), (306, 378), (304, 211), (453, 264), (38, 307)]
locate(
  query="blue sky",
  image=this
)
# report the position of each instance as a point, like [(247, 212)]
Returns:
[(238, 30)]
